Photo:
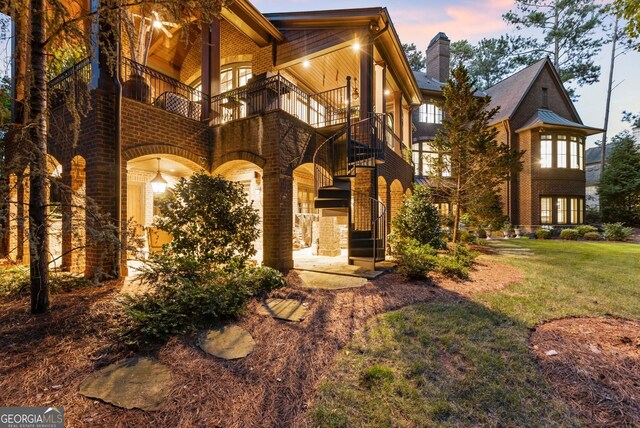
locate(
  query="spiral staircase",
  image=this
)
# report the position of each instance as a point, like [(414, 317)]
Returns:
[(358, 146)]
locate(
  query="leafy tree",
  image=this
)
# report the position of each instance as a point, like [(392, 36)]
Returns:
[(619, 187), (45, 26), (418, 219), (568, 36), (415, 56), (210, 221), (477, 163), (629, 10)]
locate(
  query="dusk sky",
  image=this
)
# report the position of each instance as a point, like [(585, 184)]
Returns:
[(418, 21)]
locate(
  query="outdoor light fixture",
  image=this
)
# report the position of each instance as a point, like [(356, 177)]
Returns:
[(387, 92), (306, 64), (356, 46), (158, 184), (355, 94)]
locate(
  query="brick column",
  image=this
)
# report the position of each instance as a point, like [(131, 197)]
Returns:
[(278, 219)]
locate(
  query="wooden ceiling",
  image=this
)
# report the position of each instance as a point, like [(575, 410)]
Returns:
[(328, 71)]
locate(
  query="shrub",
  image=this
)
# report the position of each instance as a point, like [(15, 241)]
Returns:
[(482, 234), (14, 281), (569, 234), (543, 234), (180, 305), (415, 260), (585, 228), (467, 237), (201, 276), (592, 236), (616, 232), (449, 266), (418, 218), (463, 255)]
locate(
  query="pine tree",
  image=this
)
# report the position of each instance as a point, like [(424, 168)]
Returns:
[(619, 187), (567, 35), (414, 56), (475, 163)]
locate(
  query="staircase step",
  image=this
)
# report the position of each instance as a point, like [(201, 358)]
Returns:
[(332, 192), (360, 234), (331, 203), (365, 243)]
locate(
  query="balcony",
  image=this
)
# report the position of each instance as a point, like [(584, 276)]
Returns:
[(264, 94), (149, 86)]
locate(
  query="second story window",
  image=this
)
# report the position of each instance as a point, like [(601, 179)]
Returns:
[(546, 152), (561, 151), (429, 113), (234, 75)]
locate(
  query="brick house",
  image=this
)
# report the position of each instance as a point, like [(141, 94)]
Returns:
[(310, 111), (536, 115)]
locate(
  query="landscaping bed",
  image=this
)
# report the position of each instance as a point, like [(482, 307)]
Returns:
[(45, 358), (594, 365)]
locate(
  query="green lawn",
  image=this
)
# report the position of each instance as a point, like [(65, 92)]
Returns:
[(466, 363), (571, 278)]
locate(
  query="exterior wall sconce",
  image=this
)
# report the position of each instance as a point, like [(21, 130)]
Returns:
[(158, 184)]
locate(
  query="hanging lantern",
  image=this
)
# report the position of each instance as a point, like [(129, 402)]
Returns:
[(159, 184)]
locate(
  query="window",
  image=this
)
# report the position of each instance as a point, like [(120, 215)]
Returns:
[(568, 152), (429, 113), (234, 75), (427, 161), (546, 210), (561, 153), (546, 152), (443, 208), (576, 211), (562, 210)]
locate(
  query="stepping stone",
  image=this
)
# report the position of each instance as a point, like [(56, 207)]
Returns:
[(284, 309), (229, 342), (135, 383), (328, 281)]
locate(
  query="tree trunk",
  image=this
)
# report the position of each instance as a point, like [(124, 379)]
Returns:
[(456, 217), (603, 147), (38, 234)]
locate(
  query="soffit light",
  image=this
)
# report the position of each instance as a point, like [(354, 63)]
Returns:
[(306, 64), (356, 46), (159, 184)]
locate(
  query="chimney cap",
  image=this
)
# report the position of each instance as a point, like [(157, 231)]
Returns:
[(440, 36)]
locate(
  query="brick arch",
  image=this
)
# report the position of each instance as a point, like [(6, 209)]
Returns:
[(396, 195), (190, 159), (239, 155)]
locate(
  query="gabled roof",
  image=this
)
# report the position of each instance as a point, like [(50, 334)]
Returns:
[(427, 83), (250, 21), (509, 93), (548, 118), (594, 154)]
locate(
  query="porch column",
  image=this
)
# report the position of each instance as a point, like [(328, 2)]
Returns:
[(397, 112), (210, 47), (381, 78), (366, 76), (277, 222)]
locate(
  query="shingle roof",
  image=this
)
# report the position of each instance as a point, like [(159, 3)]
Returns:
[(592, 155), (548, 117), (592, 174), (427, 83), (508, 93)]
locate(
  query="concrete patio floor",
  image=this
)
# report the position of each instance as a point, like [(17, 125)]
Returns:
[(339, 265)]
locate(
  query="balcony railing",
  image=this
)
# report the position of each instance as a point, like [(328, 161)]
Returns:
[(149, 86), (69, 83), (277, 93)]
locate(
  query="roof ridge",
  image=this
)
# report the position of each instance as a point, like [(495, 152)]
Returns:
[(517, 72)]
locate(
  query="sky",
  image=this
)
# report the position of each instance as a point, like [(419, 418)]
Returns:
[(417, 21)]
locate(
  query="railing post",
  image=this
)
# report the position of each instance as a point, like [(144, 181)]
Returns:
[(348, 121)]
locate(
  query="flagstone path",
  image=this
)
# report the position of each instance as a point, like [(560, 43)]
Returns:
[(509, 247), (228, 342)]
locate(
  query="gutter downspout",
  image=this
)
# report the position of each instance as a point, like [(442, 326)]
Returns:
[(118, 160), (507, 128)]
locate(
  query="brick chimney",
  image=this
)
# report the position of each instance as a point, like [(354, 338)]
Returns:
[(438, 57)]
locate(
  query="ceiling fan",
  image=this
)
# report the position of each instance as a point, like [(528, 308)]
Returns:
[(145, 33)]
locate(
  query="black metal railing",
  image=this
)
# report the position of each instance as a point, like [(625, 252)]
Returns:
[(149, 86), (370, 215), (366, 140), (71, 82), (265, 94)]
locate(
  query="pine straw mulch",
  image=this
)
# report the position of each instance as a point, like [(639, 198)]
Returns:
[(597, 368), (44, 359)]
